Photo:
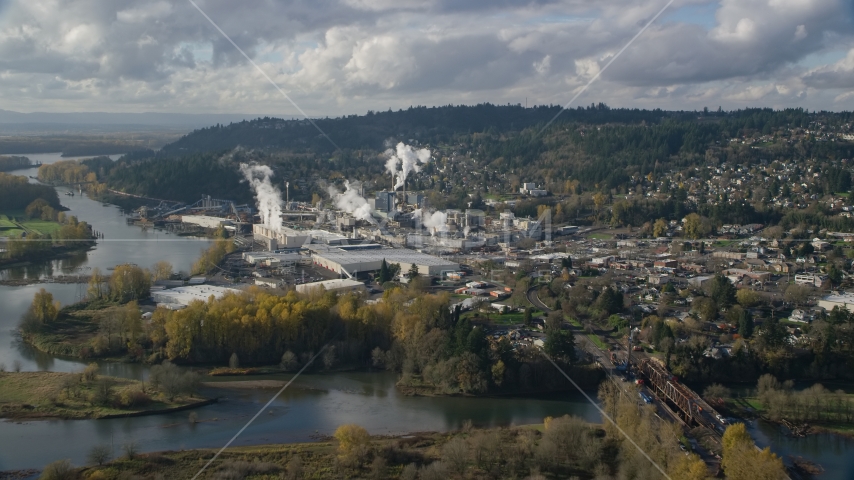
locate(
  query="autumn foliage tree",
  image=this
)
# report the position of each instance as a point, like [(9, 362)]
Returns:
[(743, 461)]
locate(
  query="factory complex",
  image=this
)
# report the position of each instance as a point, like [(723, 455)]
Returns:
[(350, 260)]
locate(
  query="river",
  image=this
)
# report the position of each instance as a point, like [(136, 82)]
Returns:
[(315, 404), (122, 244)]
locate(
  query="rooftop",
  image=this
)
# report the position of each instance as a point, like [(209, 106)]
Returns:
[(335, 284), (188, 294), (391, 255), (840, 298)]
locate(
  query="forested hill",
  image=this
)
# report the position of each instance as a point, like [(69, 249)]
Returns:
[(427, 125), (488, 149)]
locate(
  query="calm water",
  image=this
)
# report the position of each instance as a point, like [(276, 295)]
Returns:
[(833, 452), (122, 244), (314, 404)]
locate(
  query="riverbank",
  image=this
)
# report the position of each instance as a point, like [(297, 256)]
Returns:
[(55, 252), (65, 279), (752, 408), (73, 396), (466, 453)]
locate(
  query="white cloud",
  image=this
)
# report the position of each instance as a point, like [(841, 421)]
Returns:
[(347, 56), (543, 66), (800, 33)]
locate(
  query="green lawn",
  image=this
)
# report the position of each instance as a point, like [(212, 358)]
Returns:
[(9, 227), (41, 226), (596, 341), (574, 322)]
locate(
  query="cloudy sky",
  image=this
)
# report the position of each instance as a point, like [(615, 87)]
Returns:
[(336, 57)]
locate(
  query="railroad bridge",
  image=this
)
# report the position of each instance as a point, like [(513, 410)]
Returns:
[(690, 407)]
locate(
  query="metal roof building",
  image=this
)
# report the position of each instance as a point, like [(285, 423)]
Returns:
[(351, 261), (842, 300), (185, 295), (339, 285)]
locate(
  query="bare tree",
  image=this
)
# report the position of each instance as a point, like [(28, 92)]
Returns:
[(379, 468), (456, 454), (99, 454), (329, 357), (131, 449)]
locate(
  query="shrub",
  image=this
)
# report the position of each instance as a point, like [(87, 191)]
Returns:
[(91, 372), (353, 442), (58, 470), (133, 397), (238, 470), (289, 361)]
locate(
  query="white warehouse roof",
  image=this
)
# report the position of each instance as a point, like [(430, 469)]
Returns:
[(186, 295), (332, 285), (353, 261)]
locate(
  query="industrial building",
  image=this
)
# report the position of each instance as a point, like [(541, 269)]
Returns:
[(350, 260), (206, 221), (273, 259), (338, 285), (842, 300), (180, 297), (290, 238)]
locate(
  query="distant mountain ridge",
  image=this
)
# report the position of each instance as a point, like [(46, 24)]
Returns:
[(17, 121)]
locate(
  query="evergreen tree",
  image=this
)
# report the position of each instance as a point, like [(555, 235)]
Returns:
[(560, 344), (413, 271), (745, 324), (722, 291), (384, 275)]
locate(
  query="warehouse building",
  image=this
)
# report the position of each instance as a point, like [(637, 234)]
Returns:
[(180, 297), (343, 285), (842, 300), (350, 260), (273, 259), (290, 238), (206, 221)]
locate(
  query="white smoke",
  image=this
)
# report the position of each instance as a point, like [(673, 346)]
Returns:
[(351, 202), (466, 231), (268, 198), (408, 159), (435, 222)]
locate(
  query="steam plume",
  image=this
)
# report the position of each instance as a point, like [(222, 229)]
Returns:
[(351, 202), (268, 198), (435, 222), (408, 159)]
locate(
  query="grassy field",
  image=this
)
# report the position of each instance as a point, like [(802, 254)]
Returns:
[(66, 395), (9, 226), (71, 332)]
